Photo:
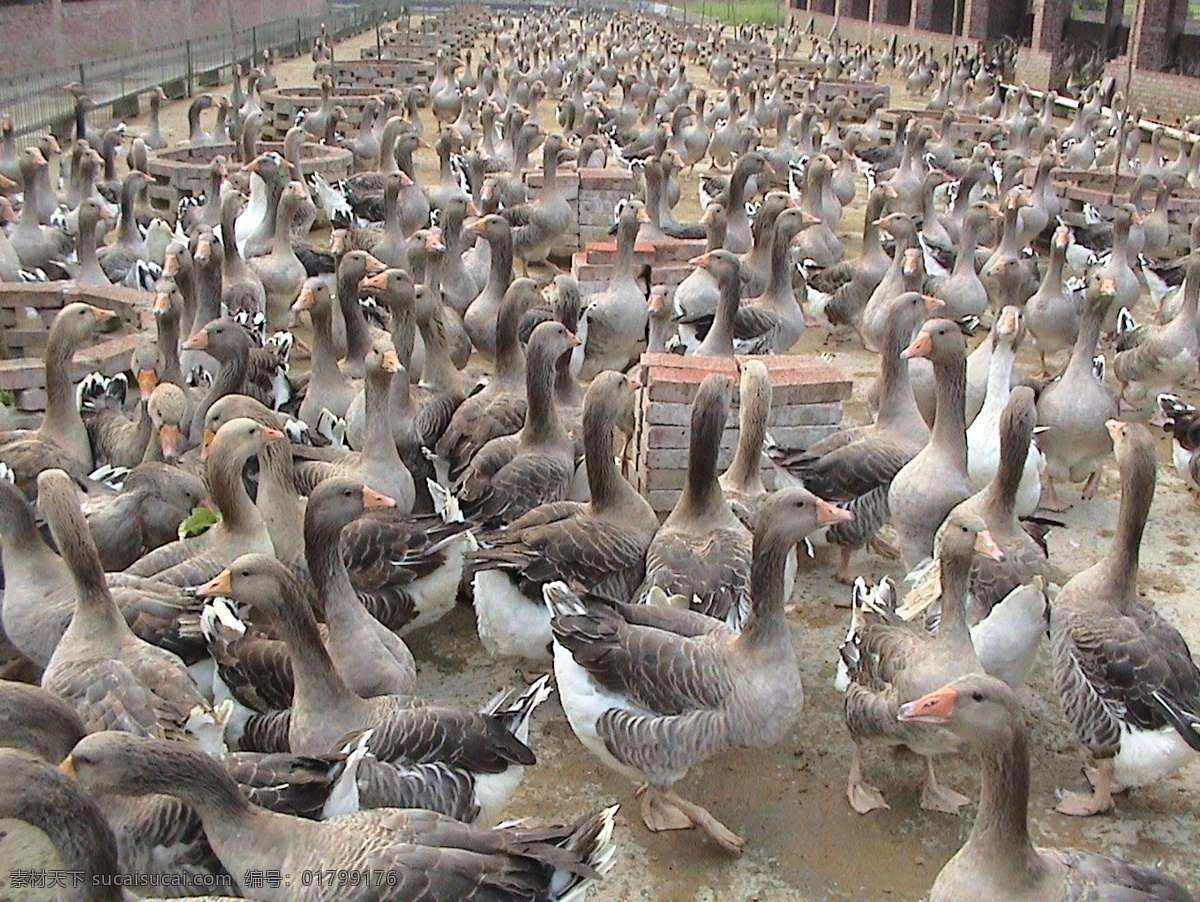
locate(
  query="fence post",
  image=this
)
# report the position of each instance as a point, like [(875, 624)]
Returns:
[(83, 74), (187, 51), (254, 45)]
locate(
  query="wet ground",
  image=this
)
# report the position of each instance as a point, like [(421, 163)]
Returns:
[(804, 841)]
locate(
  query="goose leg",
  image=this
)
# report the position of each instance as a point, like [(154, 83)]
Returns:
[(862, 795), (1077, 804), (936, 797), (1050, 499), (884, 549), (663, 810), (1091, 486), (843, 574)]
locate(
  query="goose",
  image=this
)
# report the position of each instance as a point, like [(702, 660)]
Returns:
[(998, 860), (926, 488), (280, 271), (858, 471), (233, 347), (888, 659), (617, 316), (1006, 604), (511, 475), (600, 544), (187, 562), (378, 463), (1164, 355), (498, 408), (241, 290), (651, 691), (114, 679), (40, 594), (328, 387), (773, 320), (702, 551), (698, 293), (837, 294), (480, 318), (742, 483), (1074, 409), (738, 238), (117, 260), (983, 435), (37, 245), (1124, 674), (62, 436), (1052, 313), (1180, 420), (425, 853), (539, 225)]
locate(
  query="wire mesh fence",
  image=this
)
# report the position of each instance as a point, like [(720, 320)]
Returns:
[(36, 100)]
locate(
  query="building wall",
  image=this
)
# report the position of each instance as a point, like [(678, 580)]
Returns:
[(50, 33)]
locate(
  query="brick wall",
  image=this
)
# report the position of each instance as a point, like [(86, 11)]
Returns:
[(52, 32)]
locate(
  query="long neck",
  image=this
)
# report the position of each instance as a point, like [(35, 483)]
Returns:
[(228, 491), (127, 233), (603, 477), (61, 412), (716, 234), (767, 623), (1000, 834), (439, 371), (379, 444), (80, 834), (719, 339), (323, 549), (955, 577), (234, 268), (746, 468), (964, 263), (358, 335), (208, 295), (1121, 563), (1084, 348), (168, 345), (701, 491), (1000, 367), (403, 330), (231, 379), (324, 358), (779, 284), (949, 424), (500, 275), (542, 423), (896, 400), (510, 360), (281, 244)]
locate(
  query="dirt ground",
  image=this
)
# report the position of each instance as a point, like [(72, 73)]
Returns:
[(805, 843)]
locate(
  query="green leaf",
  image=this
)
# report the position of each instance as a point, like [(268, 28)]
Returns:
[(200, 519)]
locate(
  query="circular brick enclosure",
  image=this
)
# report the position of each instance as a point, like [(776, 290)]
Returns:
[(379, 75), (183, 172), (281, 105)]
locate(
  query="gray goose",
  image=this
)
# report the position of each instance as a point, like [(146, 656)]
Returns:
[(600, 545), (928, 487), (189, 561), (511, 475), (887, 660), (858, 473), (1125, 675), (44, 797), (61, 439), (998, 860), (702, 551), (650, 690), (498, 409), (428, 855), (114, 679)]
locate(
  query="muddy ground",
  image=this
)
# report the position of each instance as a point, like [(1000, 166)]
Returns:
[(805, 843)]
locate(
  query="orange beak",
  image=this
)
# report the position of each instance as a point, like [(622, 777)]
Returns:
[(378, 282), (271, 434), (171, 265), (478, 226), (162, 302), (197, 342), (221, 584), (68, 767), (830, 513), (936, 707), (472, 210), (642, 215), (1114, 427), (304, 300), (391, 361), (932, 303), (252, 166), (702, 260), (373, 499), (147, 381), (101, 314), (168, 437), (921, 346), (986, 545), (809, 219), (206, 444), (375, 266)]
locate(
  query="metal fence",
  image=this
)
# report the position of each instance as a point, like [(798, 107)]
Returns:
[(37, 102)]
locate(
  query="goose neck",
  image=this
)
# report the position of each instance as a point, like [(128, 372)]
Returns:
[(949, 425), (767, 623), (1000, 834), (228, 491), (604, 478), (542, 423)]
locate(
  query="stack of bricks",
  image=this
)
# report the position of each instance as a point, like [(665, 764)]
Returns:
[(379, 75), (667, 259), (26, 311), (965, 131), (806, 405), (280, 106)]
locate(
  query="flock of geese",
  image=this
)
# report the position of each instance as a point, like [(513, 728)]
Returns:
[(217, 622)]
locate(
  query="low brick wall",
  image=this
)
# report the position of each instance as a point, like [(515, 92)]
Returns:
[(593, 195), (667, 258)]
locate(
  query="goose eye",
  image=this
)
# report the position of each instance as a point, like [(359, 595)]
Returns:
[(977, 696)]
